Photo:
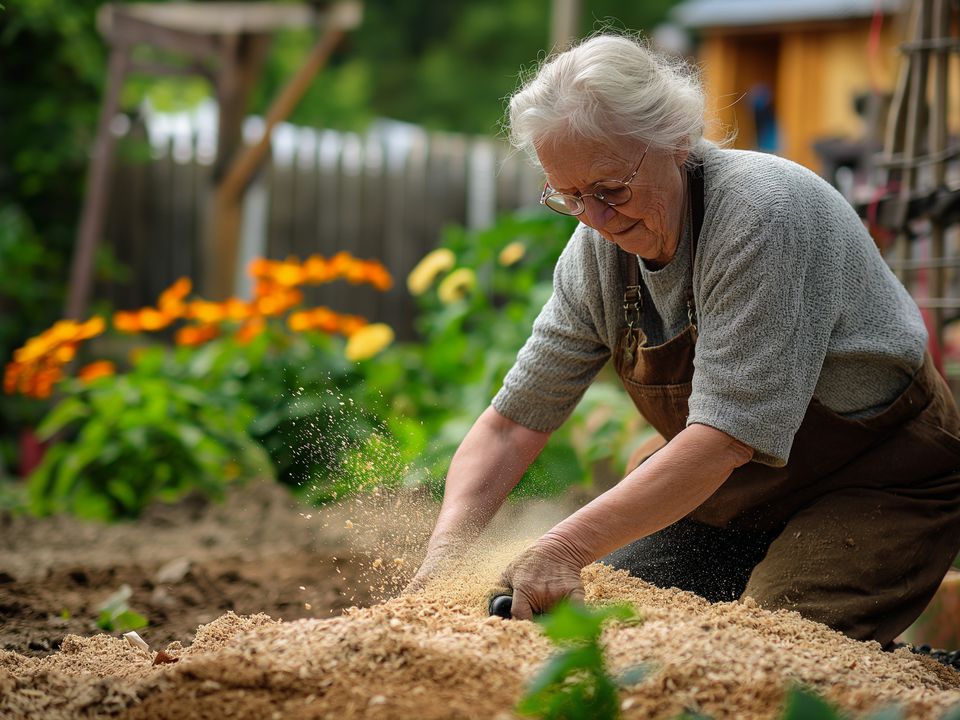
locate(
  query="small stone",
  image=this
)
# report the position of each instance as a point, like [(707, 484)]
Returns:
[(173, 571)]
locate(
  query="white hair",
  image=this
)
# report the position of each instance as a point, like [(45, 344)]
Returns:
[(607, 87)]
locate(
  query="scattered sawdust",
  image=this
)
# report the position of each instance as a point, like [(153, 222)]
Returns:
[(437, 655)]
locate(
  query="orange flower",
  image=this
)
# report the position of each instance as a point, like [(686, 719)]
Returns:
[(65, 353), (316, 269), (278, 302), (340, 263), (288, 273), (62, 331), (44, 381), (325, 319), (127, 322), (10, 375), (356, 273), (98, 369), (259, 268), (193, 335), (34, 349), (300, 321), (350, 324), (265, 287), (379, 277), (206, 312), (152, 319), (250, 330), (91, 328), (171, 299), (237, 309)]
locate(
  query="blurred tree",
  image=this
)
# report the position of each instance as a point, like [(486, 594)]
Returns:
[(447, 65)]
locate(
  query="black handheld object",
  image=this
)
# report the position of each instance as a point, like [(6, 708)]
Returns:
[(501, 606)]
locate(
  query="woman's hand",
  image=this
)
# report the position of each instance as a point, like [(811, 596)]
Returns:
[(440, 556), (544, 574)]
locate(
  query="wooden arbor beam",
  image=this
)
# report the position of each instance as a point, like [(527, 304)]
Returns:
[(225, 42), (225, 218)]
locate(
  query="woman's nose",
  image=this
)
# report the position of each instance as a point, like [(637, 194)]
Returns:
[(596, 214)]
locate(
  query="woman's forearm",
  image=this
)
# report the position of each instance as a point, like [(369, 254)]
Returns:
[(668, 486), (486, 467)]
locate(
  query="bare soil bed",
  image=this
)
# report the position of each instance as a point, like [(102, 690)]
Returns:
[(238, 568)]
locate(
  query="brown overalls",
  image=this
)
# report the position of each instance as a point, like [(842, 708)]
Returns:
[(856, 531)]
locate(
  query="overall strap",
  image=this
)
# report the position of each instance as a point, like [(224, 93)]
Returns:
[(696, 190), (632, 299)]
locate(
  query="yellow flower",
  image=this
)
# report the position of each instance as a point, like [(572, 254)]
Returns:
[(426, 271), (368, 341), (456, 285), (512, 253), (91, 328)]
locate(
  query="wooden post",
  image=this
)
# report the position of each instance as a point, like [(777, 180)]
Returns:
[(95, 199), (228, 197), (937, 148), (564, 24)]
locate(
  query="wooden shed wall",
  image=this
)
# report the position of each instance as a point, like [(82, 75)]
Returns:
[(815, 70)]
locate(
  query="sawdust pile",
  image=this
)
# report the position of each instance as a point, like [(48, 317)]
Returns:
[(437, 655)]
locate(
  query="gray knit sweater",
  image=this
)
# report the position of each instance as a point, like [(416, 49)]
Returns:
[(793, 301)]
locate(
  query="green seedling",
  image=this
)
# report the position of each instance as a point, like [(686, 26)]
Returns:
[(574, 684), (116, 615)]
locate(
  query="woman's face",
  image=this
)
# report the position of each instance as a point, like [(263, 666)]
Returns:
[(649, 223)]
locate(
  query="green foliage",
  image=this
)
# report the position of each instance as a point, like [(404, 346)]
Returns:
[(115, 614), (448, 379), (574, 684), (444, 65), (131, 439), (308, 410)]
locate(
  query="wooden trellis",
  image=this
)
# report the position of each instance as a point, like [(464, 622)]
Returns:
[(226, 43), (917, 152)]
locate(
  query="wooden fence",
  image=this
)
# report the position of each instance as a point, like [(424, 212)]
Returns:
[(384, 195)]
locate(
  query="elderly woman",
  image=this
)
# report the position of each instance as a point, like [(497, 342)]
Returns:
[(812, 459)]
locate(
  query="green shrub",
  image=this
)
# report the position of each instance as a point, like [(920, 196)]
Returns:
[(127, 440)]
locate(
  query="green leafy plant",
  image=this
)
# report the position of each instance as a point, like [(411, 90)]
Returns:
[(130, 439), (574, 683), (469, 343), (324, 437), (115, 614)]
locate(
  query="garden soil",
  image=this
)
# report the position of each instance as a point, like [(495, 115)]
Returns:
[(278, 594)]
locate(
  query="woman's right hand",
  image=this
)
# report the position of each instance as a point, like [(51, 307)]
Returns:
[(440, 556)]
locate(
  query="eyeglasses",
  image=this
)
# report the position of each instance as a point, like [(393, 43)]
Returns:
[(611, 192)]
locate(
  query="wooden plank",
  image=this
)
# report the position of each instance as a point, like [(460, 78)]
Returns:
[(280, 223), (329, 151), (372, 188), (398, 254), (224, 17), (304, 241), (229, 193), (123, 29), (937, 143)]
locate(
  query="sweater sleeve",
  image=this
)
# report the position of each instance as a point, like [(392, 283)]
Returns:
[(768, 300), (565, 350)]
